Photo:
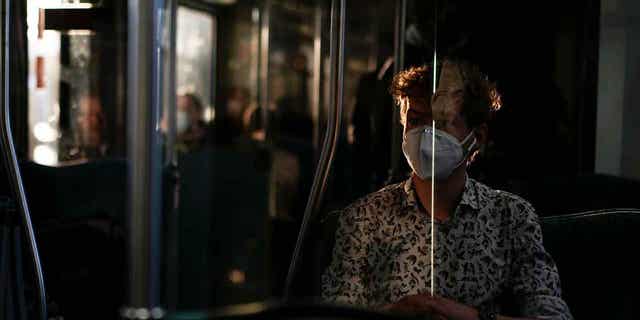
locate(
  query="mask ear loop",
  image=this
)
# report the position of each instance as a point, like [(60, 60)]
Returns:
[(468, 150)]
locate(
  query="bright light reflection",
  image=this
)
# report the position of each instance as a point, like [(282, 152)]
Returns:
[(44, 132), (237, 276), (209, 114), (80, 32), (74, 5), (45, 155), (223, 2)]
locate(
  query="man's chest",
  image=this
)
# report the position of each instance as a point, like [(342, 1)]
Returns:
[(470, 261)]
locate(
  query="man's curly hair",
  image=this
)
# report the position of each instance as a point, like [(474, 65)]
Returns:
[(481, 97), (412, 82)]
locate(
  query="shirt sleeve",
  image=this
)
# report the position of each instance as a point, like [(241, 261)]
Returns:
[(345, 280), (535, 280)]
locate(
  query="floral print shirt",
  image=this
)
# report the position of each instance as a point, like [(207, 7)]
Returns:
[(490, 247)]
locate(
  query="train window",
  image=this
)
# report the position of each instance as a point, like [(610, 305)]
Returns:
[(258, 154), (195, 59), (44, 45), (75, 106), (196, 50)]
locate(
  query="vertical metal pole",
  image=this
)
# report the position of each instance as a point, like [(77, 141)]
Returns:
[(336, 57), (214, 65), (339, 90), (10, 159), (317, 75), (170, 94), (263, 88), (399, 35), (254, 74), (171, 163), (398, 65), (144, 102)]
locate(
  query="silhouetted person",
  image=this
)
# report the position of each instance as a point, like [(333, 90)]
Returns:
[(190, 127)]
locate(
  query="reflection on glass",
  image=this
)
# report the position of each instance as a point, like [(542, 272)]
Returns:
[(223, 175), (75, 108), (367, 127), (44, 74), (244, 191), (90, 130)]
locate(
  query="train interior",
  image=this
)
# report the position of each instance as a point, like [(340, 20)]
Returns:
[(182, 153)]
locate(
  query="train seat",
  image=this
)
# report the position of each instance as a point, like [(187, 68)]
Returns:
[(596, 255)]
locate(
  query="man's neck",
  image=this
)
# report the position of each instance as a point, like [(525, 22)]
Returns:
[(447, 193)]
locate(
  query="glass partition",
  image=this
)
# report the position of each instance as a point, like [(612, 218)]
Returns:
[(542, 146), (243, 191)]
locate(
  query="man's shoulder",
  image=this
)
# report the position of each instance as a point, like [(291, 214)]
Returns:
[(504, 200), (385, 198)]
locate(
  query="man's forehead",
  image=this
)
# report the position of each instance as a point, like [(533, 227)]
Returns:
[(450, 77), (450, 81)]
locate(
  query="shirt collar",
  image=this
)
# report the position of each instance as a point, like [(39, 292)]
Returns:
[(470, 196)]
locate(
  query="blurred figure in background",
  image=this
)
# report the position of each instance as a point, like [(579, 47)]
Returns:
[(88, 140), (230, 122), (371, 127), (190, 125)]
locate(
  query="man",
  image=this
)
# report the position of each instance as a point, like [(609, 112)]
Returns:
[(92, 128), (488, 243), (190, 125)]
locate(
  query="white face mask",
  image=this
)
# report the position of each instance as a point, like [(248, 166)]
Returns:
[(182, 121), (449, 154)]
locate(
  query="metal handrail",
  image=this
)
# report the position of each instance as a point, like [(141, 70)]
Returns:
[(10, 161), (635, 212), (171, 165), (144, 101), (398, 64), (334, 118), (264, 67)]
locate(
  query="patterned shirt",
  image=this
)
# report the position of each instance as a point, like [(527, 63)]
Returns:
[(490, 247)]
